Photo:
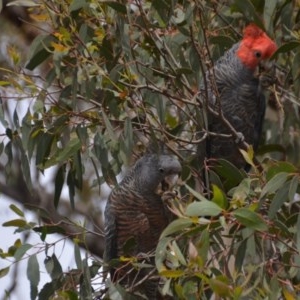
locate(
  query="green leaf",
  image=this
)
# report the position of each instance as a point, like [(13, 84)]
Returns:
[(172, 273), (49, 289), (28, 3), (163, 9), (53, 267), (26, 129), (38, 50), (240, 255), (250, 219), (71, 149), (269, 9), (9, 154), (293, 187), (287, 47), (4, 272), (33, 275), (231, 174), (77, 256), (17, 210), (50, 229), (15, 223), (264, 149), (100, 150), (274, 184), (16, 119), (9, 133), (21, 251), (24, 163), (2, 114), (38, 106), (203, 208), (117, 6), (85, 286), (161, 252), (222, 40), (109, 127), (221, 286), (297, 236), (296, 72), (247, 8), (184, 71), (58, 184), (71, 185), (178, 253), (160, 104), (128, 136), (248, 155), (175, 226), (94, 268), (43, 148), (241, 192), (280, 197), (203, 244), (166, 287), (219, 197), (280, 166), (195, 194), (1, 147), (77, 4), (78, 169)]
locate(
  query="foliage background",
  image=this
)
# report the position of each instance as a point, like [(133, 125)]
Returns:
[(87, 85)]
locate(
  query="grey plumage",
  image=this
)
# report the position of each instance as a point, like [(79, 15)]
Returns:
[(239, 96), (242, 103), (136, 211)]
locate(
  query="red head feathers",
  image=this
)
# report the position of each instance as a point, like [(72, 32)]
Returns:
[(255, 46)]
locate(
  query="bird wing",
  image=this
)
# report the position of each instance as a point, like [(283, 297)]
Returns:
[(243, 106), (110, 250), (125, 219), (259, 120)]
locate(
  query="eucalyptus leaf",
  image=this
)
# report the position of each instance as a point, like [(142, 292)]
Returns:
[(4, 271), (279, 199), (16, 210), (250, 219), (203, 208), (274, 184), (176, 226), (33, 275), (22, 250)]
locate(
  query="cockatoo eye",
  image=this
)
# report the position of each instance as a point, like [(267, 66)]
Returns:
[(161, 170), (257, 54)]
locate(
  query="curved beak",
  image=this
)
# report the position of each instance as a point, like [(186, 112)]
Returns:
[(169, 181)]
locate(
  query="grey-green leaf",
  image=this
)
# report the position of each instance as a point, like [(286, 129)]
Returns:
[(274, 184), (203, 208), (176, 226), (21, 251), (17, 210), (4, 271), (33, 275), (53, 267), (195, 193), (250, 219), (293, 187), (280, 197)]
